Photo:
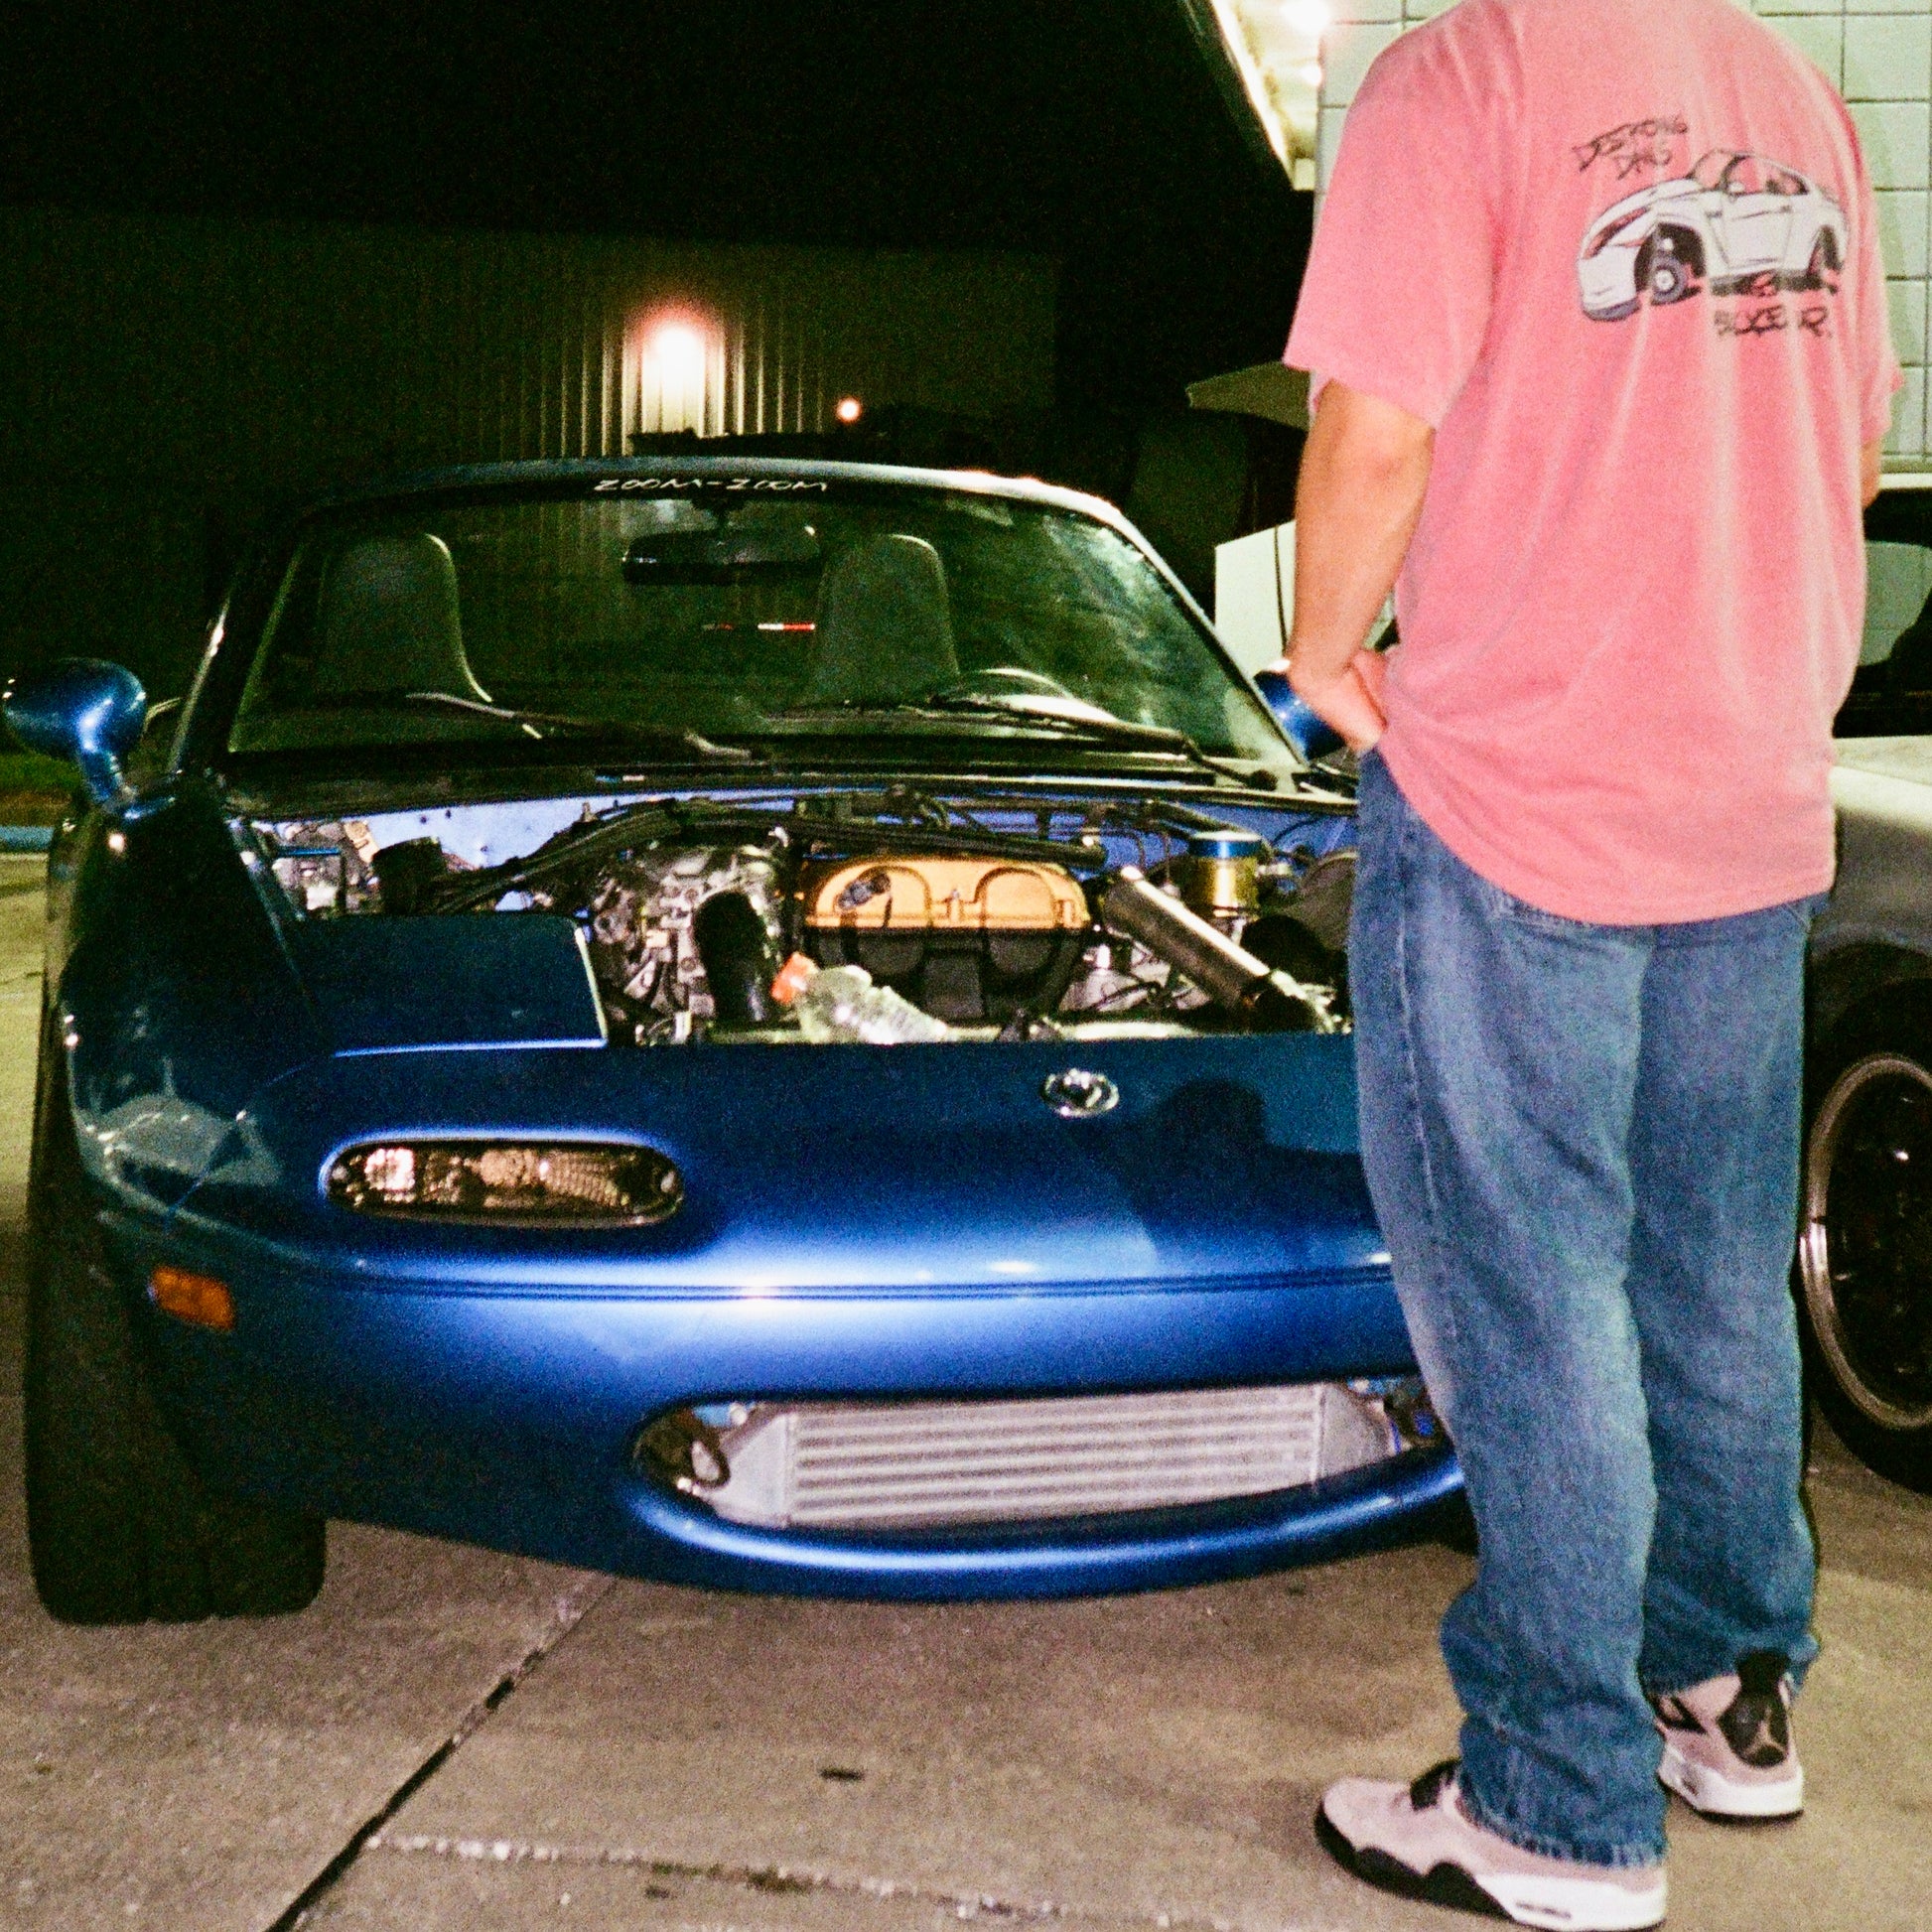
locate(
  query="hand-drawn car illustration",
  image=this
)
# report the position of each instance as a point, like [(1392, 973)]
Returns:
[(1741, 222)]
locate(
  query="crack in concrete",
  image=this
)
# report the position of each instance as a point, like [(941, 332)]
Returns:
[(766, 1878), (571, 1610)]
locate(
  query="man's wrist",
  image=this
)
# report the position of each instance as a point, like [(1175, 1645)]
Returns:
[(1347, 698), (1310, 672)]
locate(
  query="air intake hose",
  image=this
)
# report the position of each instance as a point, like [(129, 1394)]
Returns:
[(739, 960), (1269, 1002)]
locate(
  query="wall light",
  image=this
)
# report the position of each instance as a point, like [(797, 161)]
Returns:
[(678, 371), (849, 409), (679, 349)]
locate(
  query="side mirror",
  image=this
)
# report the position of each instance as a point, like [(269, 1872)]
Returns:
[(86, 710), (1305, 728)]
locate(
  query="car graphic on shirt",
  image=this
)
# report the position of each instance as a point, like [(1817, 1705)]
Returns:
[(1742, 222)]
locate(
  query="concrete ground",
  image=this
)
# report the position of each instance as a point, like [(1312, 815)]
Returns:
[(451, 1738)]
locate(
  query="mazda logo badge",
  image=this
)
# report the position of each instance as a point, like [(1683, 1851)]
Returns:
[(1076, 1094)]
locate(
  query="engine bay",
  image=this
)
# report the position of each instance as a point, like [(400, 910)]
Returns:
[(883, 916)]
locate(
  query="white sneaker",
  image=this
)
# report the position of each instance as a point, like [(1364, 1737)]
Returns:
[(1416, 1841), (1729, 1753)]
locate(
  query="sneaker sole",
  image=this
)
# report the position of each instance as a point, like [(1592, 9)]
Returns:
[(1729, 1801), (1451, 1885)]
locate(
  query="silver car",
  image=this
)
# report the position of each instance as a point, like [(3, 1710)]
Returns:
[(1864, 1248)]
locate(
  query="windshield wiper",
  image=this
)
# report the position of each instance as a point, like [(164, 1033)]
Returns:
[(1079, 720), (557, 724)]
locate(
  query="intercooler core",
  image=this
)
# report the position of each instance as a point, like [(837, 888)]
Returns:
[(886, 1465)]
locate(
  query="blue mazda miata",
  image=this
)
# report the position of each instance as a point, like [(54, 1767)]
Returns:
[(775, 1026)]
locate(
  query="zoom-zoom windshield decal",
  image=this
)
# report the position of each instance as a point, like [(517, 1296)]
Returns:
[(769, 485)]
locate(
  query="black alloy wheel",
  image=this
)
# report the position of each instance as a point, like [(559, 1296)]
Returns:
[(1667, 278), (1864, 1257), (121, 1527)]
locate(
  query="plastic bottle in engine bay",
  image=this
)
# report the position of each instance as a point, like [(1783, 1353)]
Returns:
[(841, 1004)]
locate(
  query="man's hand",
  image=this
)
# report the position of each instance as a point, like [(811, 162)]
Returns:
[(1364, 476), (1350, 701)]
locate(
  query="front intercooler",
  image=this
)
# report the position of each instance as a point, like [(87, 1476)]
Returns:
[(923, 1464)]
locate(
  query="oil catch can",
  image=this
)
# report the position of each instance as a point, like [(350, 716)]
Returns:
[(1220, 876)]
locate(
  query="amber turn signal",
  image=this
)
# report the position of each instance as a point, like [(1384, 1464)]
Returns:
[(199, 1299)]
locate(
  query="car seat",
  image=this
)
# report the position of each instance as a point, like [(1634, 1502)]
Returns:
[(387, 620), (883, 631)]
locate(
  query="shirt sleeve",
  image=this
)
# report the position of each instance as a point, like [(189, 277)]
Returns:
[(1880, 377), (1401, 275)]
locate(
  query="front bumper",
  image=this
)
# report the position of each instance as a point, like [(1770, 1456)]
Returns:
[(506, 1417), (1607, 282)]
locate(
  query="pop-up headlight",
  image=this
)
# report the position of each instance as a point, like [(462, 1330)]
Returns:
[(508, 1181)]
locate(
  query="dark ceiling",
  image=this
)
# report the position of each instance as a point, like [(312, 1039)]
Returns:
[(1087, 129)]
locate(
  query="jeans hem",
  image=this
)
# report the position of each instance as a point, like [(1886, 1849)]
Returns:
[(1615, 1857), (1799, 1658)]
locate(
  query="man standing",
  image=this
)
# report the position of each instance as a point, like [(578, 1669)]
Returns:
[(1597, 326)]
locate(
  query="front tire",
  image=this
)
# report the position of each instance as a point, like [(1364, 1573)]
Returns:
[(1667, 265), (1863, 1271), (120, 1529), (1667, 279)]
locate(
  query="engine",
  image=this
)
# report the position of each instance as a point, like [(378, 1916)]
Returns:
[(648, 922), (690, 937)]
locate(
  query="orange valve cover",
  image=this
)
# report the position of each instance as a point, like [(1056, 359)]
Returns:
[(946, 893), (966, 938)]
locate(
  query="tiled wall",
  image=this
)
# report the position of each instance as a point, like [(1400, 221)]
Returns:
[(1879, 53)]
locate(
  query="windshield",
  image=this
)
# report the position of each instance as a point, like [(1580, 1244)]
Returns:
[(1710, 171), (762, 609)]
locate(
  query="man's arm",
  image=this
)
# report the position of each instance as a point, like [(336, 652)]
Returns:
[(1363, 474)]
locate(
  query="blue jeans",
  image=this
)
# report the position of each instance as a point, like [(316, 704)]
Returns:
[(1582, 1146)]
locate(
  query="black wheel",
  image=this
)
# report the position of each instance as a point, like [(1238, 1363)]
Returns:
[(119, 1527), (1667, 277), (1864, 1253), (1824, 259)]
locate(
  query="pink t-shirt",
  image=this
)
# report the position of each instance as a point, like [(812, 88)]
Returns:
[(1621, 254)]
